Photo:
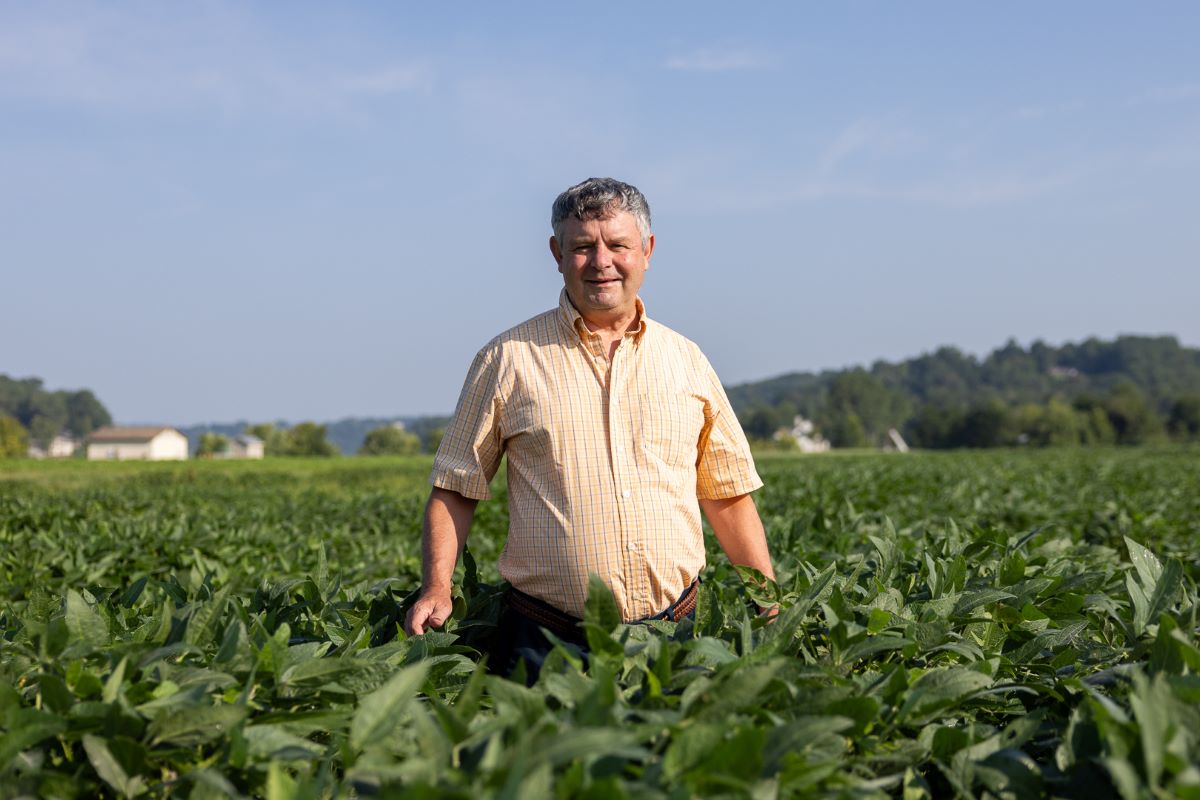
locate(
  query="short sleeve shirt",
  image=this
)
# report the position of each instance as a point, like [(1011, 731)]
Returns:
[(606, 461)]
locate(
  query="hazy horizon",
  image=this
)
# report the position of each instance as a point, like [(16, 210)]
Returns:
[(221, 212)]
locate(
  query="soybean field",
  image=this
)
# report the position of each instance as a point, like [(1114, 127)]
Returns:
[(976, 624)]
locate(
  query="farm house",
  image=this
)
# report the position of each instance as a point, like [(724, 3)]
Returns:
[(113, 443), (62, 446), (244, 446)]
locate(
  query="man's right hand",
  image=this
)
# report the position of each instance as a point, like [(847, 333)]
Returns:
[(431, 610)]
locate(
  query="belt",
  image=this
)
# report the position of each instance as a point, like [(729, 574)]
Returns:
[(562, 624)]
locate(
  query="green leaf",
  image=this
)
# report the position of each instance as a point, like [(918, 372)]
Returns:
[(690, 746), (1147, 565), (55, 694), (380, 711), (112, 686), (281, 785), (1152, 702), (317, 672), (915, 786), (275, 742), (110, 769), (600, 608), (26, 727), (939, 690), (872, 646), (191, 726), (592, 742), (84, 624), (969, 601)]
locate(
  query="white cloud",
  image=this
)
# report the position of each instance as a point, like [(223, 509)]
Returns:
[(866, 138), (718, 60)]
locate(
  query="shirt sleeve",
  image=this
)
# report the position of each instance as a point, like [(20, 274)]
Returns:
[(725, 467), (471, 448)]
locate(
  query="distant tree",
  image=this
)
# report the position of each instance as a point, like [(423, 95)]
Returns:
[(1131, 416), (434, 440), (984, 425), (932, 426), (1184, 422), (46, 414), (212, 444), (85, 413), (847, 430), (275, 441), (1060, 425), (1095, 427), (1055, 424), (390, 440), (308, 439), (14, 439), (761, 422), (875, 406)]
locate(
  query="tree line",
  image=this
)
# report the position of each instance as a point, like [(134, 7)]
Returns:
[(310, 439), (29, 413), (1132, 390)]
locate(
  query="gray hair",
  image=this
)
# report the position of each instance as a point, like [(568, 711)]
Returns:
[(599, 198)]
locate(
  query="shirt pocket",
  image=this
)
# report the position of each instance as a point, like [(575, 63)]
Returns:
[(670, 426)]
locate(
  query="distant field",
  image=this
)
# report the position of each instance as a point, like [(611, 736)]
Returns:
[(978, 623)]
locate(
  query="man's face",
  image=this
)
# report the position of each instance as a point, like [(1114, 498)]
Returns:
[(602, 262)]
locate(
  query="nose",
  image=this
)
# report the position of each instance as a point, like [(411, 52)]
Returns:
[(601, 256)]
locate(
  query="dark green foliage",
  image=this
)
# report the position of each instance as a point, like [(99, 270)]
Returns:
[(212, 444), (14, 439), (985, 624), (390, 440), (46, 414), (304, 439), (1184, 421), (948, 399)]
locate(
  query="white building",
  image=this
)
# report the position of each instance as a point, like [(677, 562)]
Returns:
[(61, 446), (808, 440), (136, 444), (244, 446)]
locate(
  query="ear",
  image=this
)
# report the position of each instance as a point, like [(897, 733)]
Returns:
[(556, 251), (649, 249)]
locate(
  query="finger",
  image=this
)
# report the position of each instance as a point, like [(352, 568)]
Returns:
[(414, 625)]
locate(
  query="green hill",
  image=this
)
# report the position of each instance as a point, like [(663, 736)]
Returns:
[(1132, 389)]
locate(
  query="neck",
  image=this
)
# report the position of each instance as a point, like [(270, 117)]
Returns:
[(612, 324)]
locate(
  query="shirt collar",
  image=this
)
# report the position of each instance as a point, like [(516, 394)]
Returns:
[(570, 316)]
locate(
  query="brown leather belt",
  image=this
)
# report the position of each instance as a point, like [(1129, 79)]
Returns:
[(565, 625)]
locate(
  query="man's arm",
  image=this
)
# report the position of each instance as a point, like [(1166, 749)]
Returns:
[(448, 518), (740, 532)]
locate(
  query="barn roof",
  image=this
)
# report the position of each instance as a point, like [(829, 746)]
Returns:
[(114, 433)]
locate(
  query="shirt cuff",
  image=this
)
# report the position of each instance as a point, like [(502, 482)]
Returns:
[(471, 486)]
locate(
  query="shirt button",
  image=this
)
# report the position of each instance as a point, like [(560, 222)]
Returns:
[(626, 494), (632, 546)]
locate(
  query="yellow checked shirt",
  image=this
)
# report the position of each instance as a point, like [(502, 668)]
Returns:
[(605, 461)]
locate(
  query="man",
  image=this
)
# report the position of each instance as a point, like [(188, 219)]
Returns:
[(617, 433)]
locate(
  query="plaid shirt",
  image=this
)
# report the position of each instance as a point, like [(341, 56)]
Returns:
[(606, 460)]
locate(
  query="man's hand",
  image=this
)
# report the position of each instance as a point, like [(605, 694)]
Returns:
[(770, 612), (431, 610), (448, 518), (739, 531)]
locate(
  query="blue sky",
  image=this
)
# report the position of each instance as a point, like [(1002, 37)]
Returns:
[(220, 211)]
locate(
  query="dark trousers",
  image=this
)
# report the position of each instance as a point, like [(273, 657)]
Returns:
[(519, 638)]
